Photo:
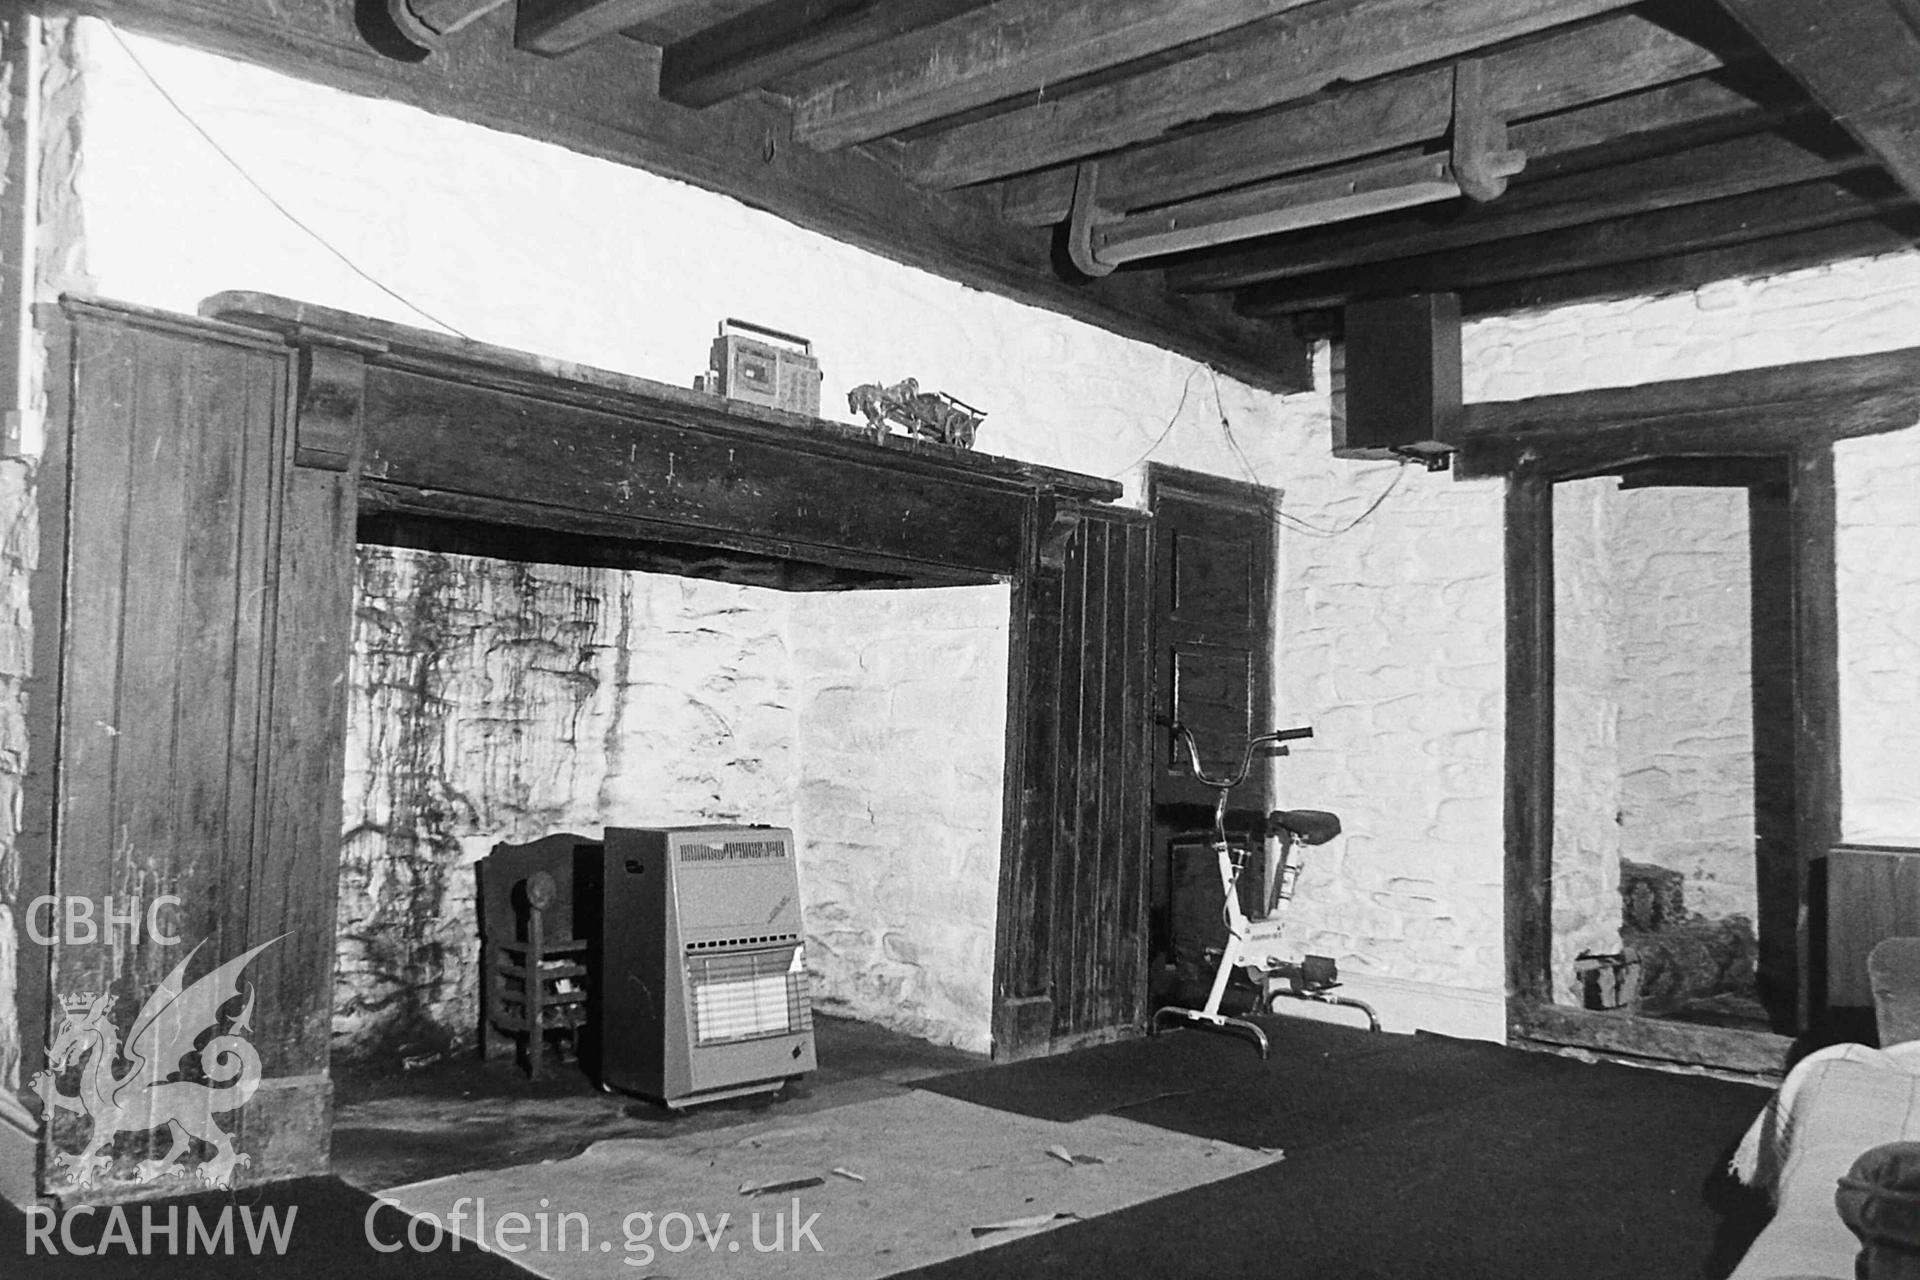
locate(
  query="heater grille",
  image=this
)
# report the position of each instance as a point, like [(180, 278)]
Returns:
[(748, 995)]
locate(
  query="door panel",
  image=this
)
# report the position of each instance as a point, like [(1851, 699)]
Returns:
[(1211, 577), (1213, 697), (1213, 670)]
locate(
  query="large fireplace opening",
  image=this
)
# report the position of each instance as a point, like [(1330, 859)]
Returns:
[(507, 685)]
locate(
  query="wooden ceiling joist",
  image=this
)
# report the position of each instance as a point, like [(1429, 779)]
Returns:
[(1477, 165), (1769, 255), (1732, 167), (1616, 56), (1859, 59), (1014, 47), (1626, 239), (1278, 60), (554, 27), (765, 46)]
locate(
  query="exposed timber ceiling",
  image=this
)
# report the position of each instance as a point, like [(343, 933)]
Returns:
[(1217, 176)]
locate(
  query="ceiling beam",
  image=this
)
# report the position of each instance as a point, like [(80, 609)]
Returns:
[(554, 27), (1278, 60), (1615, 56), (1770, 255), (1859, 59), (1010, 48), (1731, 167), (1598, 432), (1662, 233), (765, 45)]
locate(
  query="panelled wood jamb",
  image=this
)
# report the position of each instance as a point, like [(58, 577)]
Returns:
[(1812, 513), (1530, 738), (1070, 942), (1022, 999)]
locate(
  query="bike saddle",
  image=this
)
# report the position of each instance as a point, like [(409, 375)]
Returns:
[(1308, 826)]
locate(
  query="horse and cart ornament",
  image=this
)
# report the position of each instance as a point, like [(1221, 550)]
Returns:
[(922, 415)]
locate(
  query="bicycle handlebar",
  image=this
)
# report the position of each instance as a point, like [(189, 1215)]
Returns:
[(1184, 735)]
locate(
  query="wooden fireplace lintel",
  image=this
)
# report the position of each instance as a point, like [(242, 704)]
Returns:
[(480, 364)]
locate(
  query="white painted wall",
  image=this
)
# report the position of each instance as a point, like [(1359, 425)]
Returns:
[(1586, 726), (1879, 584), (1686, 690), (1391, 630), (1652, 704), (901, 706)]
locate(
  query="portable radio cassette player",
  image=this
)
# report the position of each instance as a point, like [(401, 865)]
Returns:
[(769, 368)]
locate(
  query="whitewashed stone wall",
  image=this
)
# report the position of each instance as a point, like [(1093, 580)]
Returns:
[(1586, 726), (1879, 567), (901, 700), (19, 550), (1652, 705), (1392, 646), (56, 215), (1686, 690), (1391, 631)]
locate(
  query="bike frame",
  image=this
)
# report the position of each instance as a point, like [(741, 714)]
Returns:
[(1254, 944)]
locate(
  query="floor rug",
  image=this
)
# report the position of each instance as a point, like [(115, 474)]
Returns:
[(858, 1191)]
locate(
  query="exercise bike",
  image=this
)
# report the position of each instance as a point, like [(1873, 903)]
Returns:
[(1254, 944)]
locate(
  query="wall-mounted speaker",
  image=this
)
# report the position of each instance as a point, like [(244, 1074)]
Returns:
[(1396, 379)]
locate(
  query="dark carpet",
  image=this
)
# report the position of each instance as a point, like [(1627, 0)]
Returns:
[(1323, 1081), (1406, 1157), (325, 1232)]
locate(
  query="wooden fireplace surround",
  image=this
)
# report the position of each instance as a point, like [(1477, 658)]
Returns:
[(205, 483)]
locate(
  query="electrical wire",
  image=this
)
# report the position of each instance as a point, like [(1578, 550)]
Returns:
[(1167, 430), (1284, 519), (269, 197), (1316, 531)]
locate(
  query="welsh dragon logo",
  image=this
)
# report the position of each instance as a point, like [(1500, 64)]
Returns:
[(146, 1097)]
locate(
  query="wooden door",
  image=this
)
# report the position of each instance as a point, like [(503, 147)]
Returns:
[(1072, 935), (201, 633), (1213, 664)]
